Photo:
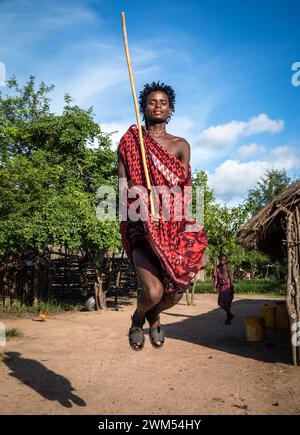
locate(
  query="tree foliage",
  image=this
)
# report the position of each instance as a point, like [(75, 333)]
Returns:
[(221, 224), (51, 168), (270, 185)]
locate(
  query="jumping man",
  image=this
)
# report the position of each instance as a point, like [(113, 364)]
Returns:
[(168, 254)]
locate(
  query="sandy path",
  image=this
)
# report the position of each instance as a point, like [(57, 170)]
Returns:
[(81, 363)]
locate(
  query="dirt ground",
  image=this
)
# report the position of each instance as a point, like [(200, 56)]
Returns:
[(81, 363)]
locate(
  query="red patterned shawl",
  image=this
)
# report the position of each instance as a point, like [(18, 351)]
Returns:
[(179, 251)]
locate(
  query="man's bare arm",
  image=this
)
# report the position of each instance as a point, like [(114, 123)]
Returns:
[(121, 168), (185, 154), (122, 183)]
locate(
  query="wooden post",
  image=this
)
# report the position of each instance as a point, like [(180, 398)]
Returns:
[(99, 293), (187, 294), (35, 283), (110, 271), (296, 270), (4, 288), (193, 290), (118, 280), (96, 290), (290, 291)]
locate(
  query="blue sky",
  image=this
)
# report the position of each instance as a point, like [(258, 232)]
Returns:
[(229, 61)]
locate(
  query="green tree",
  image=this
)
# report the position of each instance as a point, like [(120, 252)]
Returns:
[(220, 223), (270, 185), (50, 173), (22, 107), (255, 261)]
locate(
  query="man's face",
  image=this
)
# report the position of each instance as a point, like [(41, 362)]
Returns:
[(224, 259), (157, 107)]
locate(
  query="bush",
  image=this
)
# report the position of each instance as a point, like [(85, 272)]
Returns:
[(269, 286)]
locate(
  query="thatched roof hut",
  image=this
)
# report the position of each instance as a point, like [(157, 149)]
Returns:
[(275, 230)]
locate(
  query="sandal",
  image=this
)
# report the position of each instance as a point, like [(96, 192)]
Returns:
[(156, 334), (136, 337)]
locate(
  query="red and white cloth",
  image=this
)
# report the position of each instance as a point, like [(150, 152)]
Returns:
[(178, 244)]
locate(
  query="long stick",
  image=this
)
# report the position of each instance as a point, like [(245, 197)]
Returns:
[(153, 213)]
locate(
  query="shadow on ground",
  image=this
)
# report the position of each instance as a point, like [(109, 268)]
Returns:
[(209, 330), (45, 382)]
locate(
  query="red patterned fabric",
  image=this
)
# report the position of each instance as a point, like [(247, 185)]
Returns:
[(178, 247)]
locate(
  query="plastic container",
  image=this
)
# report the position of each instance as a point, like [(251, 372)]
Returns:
[(90, 304), (268, 313), (255, 328), (282, 318)]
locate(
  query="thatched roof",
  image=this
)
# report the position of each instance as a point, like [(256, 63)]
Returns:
[(266, 230)]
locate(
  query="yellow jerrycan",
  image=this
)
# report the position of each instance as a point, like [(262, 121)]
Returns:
[(255, 328), (268, 313), (282, 318)]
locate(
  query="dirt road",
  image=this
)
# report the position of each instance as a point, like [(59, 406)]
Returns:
[(81, 363)]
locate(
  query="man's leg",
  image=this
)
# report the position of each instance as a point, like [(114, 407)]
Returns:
[(166, 302), (228, 297), (150, 277), (151, 301)]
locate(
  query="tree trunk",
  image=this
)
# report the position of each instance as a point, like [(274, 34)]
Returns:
[(100, 293), (187, 294), (291, 306), (13, 287), (118, 279), (96, 289), (193, 291), (97, 259), (110, 271), (4, 288), (267, 271), (35, 285)]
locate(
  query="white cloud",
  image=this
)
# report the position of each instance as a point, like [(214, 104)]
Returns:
[(118, 129), (97, 76), (222, 134), (217, 141), (261, 124), (182, 127), (23, 25), (250, 150), (284, 157), (63, 16), (282, 151), (95, 79), (232, 179)]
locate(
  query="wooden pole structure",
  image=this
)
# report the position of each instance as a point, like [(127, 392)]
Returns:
[(154, 216), (119, 273)]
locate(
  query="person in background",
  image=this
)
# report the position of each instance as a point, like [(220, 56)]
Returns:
[(223, 282)]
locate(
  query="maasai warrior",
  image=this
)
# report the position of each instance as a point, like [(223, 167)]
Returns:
[(223, 281), (166, 254)]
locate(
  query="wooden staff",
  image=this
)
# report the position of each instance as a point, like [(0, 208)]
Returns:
[(153, 213)]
